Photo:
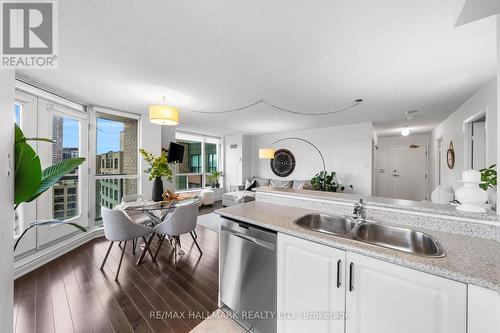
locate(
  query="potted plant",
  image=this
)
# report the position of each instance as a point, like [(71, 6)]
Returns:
[(30, 181), (323, 181), (215, 176), (158, 168), (489, 179)]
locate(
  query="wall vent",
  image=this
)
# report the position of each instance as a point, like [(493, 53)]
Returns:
[(233, 146)]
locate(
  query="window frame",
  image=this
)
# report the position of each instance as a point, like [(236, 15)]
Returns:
[(100, 112), (202, 139)]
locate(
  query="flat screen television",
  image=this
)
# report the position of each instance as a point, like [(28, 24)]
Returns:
[(175, 153)]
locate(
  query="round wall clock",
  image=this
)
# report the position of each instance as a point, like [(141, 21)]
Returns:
[(450, 156), (283, 163)]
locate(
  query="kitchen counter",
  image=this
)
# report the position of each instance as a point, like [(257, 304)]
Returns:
[(468, 259), (408, 205)]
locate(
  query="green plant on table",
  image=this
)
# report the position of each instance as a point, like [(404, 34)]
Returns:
[(215, 176), (30, 181), (488, 177), (158, 165), (328, 182)]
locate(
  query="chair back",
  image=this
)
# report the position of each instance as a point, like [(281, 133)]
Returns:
[(117, 225), (182, 220)]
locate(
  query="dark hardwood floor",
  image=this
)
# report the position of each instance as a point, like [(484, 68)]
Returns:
[(71, 294)]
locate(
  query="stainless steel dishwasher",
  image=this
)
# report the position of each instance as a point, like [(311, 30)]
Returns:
[(247, 273)]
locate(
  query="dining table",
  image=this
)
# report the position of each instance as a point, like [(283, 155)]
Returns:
[(158, 212)]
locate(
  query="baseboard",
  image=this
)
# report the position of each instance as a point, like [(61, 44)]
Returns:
[(32, 262)]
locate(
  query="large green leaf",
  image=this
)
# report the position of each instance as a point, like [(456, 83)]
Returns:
[(27, 169), (53, 173), (41, 139), (49, 223), (18, 134)]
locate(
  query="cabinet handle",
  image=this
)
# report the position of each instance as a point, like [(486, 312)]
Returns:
[(351, 265), (338, 273)]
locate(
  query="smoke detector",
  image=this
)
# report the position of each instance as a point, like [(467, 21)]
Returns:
[(411, 114)]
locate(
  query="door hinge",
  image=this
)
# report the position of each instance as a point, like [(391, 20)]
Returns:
[(425, 176)]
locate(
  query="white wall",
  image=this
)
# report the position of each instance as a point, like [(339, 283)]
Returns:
[(237, 160), (484, 100), (6, 199), (151, 141), (347, 150), (167, 135), (384, 179)]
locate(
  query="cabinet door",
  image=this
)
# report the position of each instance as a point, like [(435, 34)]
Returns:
[(310, 297), (484, 308), (387, 298)]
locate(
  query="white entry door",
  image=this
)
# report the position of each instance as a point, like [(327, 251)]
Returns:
[(409, 172)]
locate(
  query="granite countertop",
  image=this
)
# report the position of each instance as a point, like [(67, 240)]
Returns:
[(408, 205), (468, 259)]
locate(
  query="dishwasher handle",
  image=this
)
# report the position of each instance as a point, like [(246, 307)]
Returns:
[(250, 239)]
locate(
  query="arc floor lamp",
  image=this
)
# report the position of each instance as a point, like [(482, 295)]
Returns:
[(268, 153)]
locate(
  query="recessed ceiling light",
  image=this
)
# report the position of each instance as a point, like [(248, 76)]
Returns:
[(405, 132)]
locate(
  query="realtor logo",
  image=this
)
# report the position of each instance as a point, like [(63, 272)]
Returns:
[(29, 34)]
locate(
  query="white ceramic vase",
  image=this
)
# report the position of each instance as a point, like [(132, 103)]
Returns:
[(472, 198)]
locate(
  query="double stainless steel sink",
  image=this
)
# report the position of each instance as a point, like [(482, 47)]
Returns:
[(396, 238)]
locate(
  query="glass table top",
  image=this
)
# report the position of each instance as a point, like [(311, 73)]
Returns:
[(149, 205)]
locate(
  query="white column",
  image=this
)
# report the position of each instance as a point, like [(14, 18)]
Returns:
[(150, 140), (6, 199), (498, 107)]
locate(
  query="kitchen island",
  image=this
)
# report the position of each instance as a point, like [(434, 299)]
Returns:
[(454, 293)]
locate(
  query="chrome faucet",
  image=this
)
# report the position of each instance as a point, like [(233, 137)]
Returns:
[(358, 212)]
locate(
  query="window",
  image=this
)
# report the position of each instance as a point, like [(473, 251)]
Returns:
[(17, 218), (195, 163), (117, 149), (66, 136), (201, 157), (17, 113)]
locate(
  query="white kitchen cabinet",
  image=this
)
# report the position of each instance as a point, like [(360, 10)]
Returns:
[(484, 310), (387, 298), (310, 282)]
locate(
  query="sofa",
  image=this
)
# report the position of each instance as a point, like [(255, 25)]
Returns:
[(239, 194)]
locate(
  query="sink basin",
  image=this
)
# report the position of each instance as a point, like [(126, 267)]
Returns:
[(329, 224), (401, 239)]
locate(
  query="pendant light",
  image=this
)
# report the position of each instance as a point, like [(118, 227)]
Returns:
[(163, 114)]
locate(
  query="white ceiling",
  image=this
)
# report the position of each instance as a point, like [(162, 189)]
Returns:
[(311, 56)]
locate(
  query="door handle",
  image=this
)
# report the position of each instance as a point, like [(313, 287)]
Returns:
[(351, 283), (395, 175), (252, 240), (338, 273)]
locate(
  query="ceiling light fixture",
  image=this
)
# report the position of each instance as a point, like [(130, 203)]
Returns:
[(405, 132), (163, 114)]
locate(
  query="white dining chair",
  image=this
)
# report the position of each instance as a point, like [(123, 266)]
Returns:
[(181, 221), (118, 227), (135, 216)]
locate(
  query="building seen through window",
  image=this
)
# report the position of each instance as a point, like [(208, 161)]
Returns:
[(116, 160)]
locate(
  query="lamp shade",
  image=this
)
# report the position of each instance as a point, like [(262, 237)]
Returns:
[(266, 153), (163, 115)]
